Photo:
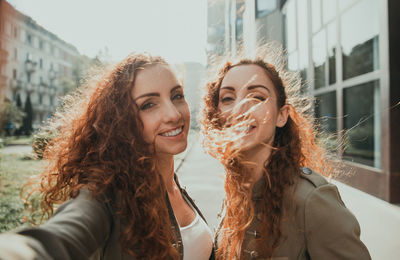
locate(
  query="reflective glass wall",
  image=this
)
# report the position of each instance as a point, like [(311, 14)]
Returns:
[(335, 46)]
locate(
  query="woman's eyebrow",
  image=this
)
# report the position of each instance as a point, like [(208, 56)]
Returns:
[(152, 94), (155, 94), (258, 86), (175, 88), (228, 88)]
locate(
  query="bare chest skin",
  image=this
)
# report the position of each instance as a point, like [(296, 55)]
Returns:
[(183, 212)]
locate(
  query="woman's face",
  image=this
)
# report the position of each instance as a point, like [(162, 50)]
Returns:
[(248, 104), (162, 109)]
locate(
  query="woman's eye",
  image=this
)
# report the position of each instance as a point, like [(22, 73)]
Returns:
[(146, 105), (261, 98), (258, 97), (178, 96), (226, 99)]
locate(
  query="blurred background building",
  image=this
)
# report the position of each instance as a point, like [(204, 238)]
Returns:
[(347, 53), (193, 78), (36, 66), (216, 26)]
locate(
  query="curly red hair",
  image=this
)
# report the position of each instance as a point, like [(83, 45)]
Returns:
[(294, 146), (99, 145)]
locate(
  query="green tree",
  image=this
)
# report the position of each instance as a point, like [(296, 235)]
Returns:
[(11, 118), (19, 105), (27, 122), (19, 102)]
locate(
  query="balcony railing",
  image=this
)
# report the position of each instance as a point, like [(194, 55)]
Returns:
[(30, 87), (43, 88), (15, 84)]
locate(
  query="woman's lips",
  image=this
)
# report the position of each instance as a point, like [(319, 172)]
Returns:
[(173, 133)]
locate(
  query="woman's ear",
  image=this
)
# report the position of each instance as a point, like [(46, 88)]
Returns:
[(282, 116)]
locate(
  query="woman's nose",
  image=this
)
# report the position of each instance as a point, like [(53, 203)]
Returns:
[(171, 113), (242, 109)]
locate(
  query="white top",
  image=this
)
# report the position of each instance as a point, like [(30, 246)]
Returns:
[(196, 239)]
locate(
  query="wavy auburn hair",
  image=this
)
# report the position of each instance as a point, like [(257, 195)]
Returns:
[(99, 145), (294, 146)]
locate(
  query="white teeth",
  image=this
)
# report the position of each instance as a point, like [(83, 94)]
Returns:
[(173, 132)]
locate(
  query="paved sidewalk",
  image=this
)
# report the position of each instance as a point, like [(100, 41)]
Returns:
[(203, 177), (380, 221)]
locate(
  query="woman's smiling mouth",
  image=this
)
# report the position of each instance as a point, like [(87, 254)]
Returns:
[(173, 132)]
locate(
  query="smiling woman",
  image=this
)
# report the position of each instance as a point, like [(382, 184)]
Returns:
[(111, 168), (163, 111), (278, 204)]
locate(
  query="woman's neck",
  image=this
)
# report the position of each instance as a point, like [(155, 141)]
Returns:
[(256, 158), (165, 166)]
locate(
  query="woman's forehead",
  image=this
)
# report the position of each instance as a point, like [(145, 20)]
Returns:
[(242, 76), (155, 78)]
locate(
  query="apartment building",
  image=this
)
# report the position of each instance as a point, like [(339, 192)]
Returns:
[(36, 63)]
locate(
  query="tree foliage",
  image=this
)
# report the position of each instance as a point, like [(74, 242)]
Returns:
[(11, 118), (27, 121)]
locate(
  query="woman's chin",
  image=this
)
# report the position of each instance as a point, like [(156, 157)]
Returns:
[(172, 150), (180, 150)]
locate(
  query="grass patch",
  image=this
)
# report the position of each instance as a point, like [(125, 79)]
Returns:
[(18, 140), (15, 170)]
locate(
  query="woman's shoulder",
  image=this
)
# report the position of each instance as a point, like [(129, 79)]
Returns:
[(325, 217), (311, 183), (311, 179), (86, 199), (315, 196)]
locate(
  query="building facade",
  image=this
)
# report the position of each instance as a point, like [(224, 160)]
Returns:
[(194, 74), (216, 28), (346, 52), (37, 64)]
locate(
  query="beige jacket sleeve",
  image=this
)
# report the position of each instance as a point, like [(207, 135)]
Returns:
[(332, 231), (78, 229)]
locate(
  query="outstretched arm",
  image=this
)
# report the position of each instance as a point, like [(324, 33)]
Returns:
[(78, 229)]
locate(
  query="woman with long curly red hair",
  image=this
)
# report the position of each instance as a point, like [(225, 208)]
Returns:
[(112, 161), (278, 205)]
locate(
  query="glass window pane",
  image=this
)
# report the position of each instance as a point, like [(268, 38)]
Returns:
[(325, 112), (302, 18), (265, 7), (329, 10), (331, 34), (345, 3), (240, 6), (239, 29), (316, 14), (291, 26), (319, 59), (303, 33), (216, 28), (362, 120), (293, 61), (359, 39)]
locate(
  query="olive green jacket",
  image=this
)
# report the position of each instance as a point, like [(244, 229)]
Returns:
[(82, 228), (317, 224)]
